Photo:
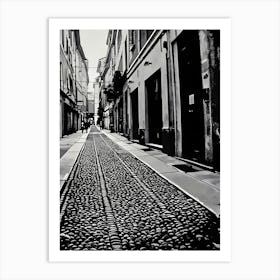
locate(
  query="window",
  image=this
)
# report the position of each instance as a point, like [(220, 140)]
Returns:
[(62, 38), (132, 39), (133, 36)]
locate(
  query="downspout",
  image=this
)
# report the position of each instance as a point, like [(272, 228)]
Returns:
[(171, 135)]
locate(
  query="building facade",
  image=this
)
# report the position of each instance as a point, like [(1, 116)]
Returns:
[(73, 82), (163, 90), (91, 105), (196, 86), (81, 80)]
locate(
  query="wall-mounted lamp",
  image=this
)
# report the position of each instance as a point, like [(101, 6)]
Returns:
[(146, 63)]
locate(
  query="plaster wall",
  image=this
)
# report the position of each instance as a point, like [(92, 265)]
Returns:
[(155, 60)]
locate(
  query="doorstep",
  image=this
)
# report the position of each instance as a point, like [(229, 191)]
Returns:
[(155, 146)]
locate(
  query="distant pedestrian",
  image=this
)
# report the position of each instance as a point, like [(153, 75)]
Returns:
[(87, 125), (82, 127)]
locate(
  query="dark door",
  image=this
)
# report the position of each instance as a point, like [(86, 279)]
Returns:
[(135, 121), (125, 114), (120, 115), (191, 96), (153, 86)]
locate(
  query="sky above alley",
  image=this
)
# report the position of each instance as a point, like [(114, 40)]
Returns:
[(94, 45)]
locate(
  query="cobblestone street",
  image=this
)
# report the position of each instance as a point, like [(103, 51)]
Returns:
[(113, 201)]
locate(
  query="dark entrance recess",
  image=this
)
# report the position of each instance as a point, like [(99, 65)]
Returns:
[(153, 86), (186, 168), (135, 120), (125, 122), (191, 96), (68, 120)]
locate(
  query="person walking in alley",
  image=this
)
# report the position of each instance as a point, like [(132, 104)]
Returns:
[(87, 125), (82, 127)]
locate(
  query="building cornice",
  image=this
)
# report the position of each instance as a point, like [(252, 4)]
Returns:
[(153, 39)]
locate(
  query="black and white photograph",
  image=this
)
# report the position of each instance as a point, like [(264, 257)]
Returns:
[(140, 139)]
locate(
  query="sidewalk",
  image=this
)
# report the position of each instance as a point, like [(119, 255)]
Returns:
[(203, 186), (70, 147)]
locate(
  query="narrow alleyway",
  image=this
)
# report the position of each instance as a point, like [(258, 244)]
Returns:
[(113, 201)]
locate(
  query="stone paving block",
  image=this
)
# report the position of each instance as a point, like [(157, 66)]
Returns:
[(156, 164), (76, 147), (68, 158), (136, 146), (197, 174), (207, 195), (213, 181), (167, 159), (154, 152), (207, 177), (139, 153), (130, 148)]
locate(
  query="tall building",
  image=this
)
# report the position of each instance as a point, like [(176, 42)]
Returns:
[(81, 80), (73, 82), (162, 88)]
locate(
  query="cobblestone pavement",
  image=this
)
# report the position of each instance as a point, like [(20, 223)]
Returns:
[(113, 201)]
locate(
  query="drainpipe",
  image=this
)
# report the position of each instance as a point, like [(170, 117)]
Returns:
[(170, 132)]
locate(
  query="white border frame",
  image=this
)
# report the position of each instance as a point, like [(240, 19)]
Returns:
[(224, 254)]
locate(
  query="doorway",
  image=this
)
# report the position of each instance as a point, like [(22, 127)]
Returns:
[(135, 118), (154, 107), (192, 114), (120, 116)]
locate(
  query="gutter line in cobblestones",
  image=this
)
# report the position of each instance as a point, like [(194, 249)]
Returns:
[(116, 202), (113, 230), (212, 210), (153, 196)]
